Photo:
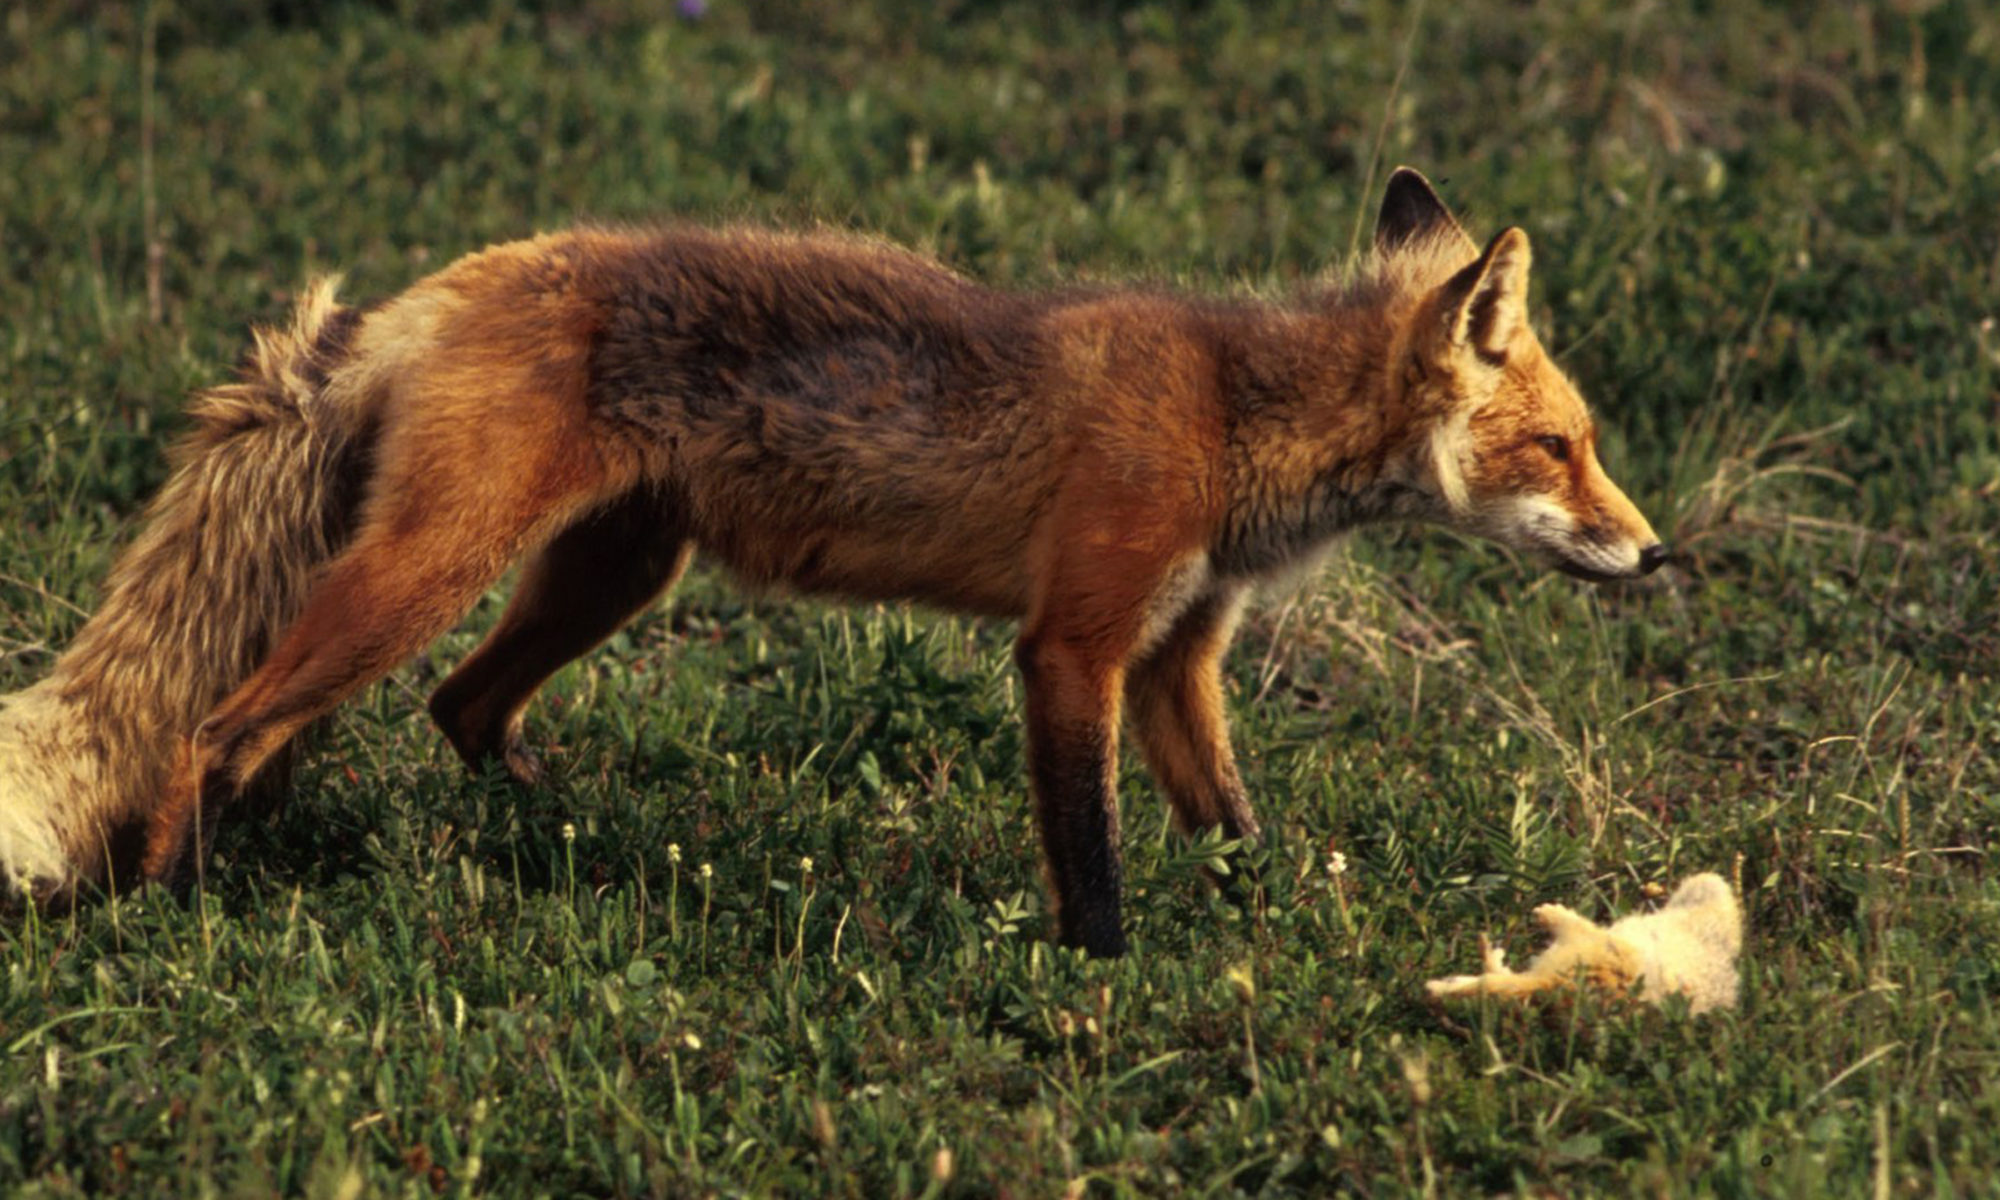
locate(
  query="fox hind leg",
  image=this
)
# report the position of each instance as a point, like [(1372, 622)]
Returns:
[(581, 587), (438, 528)]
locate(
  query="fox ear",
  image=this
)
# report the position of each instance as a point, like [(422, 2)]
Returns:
[(1487, 303), (1411, 209)]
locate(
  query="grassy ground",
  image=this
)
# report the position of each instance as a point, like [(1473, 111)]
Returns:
[(1768, 244)]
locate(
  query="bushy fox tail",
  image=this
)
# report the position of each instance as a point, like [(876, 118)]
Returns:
[(263, 490)]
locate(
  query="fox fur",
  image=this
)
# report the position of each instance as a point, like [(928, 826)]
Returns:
[(1116, 469), (1688, 948), (261, 493)]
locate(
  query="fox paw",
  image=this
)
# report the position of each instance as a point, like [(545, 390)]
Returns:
[(523, 765)]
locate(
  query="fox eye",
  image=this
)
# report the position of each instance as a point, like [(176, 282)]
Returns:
[(1556, 445)]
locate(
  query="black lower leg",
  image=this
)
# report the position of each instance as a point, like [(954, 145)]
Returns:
[(1079, 820)]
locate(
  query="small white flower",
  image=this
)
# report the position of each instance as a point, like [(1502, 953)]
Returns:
[(1243, 982), (674, 853), (1336, 864), (806, 865), (569, 832), (706, 872)]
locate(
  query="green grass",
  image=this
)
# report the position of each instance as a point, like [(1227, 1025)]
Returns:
[(1768, 245)]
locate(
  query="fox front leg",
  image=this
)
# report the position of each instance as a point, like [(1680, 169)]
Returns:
[(1174, 704), (1073, 752), (1119, 544)]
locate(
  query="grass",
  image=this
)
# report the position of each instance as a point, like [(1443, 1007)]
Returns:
[(1768, 245)]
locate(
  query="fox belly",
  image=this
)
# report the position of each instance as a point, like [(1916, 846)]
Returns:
[(868, 513)]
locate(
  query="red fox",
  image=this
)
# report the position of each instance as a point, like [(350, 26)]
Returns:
[(1116, 469)]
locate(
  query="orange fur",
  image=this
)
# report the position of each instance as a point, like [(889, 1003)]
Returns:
[(1116, 469)]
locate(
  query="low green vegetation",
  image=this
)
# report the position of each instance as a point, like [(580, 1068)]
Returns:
[(776, 924)]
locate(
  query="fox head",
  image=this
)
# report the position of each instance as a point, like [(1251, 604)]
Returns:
[(1502, 442)]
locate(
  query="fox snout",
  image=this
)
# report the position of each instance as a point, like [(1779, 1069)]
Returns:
[(1613, 537), (1651, 558), (1609, 540), (1573, 544)]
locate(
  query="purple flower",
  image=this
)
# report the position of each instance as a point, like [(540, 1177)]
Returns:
[(691, 10)]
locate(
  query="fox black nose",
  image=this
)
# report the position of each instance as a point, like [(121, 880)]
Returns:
[(1652, 558)]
